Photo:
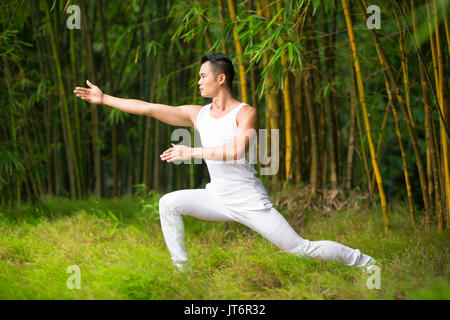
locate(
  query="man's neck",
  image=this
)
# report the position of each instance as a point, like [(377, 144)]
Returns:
[(223, 102)]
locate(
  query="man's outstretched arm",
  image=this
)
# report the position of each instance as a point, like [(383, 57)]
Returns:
[(175, 116)]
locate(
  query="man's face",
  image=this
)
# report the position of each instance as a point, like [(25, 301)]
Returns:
[(208, 83)]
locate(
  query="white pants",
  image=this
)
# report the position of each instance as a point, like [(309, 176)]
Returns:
[(204, 204)]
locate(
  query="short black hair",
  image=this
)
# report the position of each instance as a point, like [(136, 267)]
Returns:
[(221, 64)]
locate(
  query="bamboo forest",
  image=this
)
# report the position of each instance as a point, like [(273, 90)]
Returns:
[(355, 95)]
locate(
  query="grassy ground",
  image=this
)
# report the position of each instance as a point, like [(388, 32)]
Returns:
[(119, 248)]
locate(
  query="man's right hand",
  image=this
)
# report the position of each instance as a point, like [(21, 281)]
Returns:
[(182, 116), (93, 95)]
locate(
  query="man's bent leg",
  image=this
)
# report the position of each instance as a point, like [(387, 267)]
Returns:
[(193, 202), (274, 227)]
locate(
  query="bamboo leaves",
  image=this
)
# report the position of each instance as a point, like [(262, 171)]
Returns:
[(294, 66)]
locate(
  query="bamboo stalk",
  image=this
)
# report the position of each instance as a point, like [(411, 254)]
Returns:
[(432, 166), (272, 112), (112, 86), (321, 127), (360, 132), (365, 113), (75, 186), (409, 122), (314, 171), (253, 76), (440, 179), (46, 118), (93, 109), (404, 64), (402, 152), (442, 103), (447, 31), (146, 157), (76, 114), (380, 136), (222, 23), (328, 53), (351, 134), (298, 128), (433, 48), (18, 179), (286, 91), (238, 45)]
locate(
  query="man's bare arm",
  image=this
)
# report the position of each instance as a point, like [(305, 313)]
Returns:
[(175, 116), (182, 116)]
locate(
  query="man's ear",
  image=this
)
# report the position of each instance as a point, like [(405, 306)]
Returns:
[(222, 79)]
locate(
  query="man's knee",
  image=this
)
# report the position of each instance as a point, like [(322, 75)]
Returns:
[(165, 203), (171, 202)]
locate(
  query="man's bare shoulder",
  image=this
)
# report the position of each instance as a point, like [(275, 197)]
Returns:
[(247, 114), (191, 111), (247, 111)]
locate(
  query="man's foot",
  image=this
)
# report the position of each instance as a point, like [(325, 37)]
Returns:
[(182, 267)]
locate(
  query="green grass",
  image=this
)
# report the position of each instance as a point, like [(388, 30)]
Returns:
[(119, 248)]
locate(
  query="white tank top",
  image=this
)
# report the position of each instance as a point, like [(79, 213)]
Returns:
[(233, 181)]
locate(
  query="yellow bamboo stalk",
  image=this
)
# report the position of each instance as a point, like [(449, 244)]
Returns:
[(298, 131), (444, 143), (447, 31), (219, 3), (237, 43), (409, 122), (380, 136), (352, 138), (286, 90), (433, 49), (402, 152), (360, 130), (404, 64), (271, 113), (314, 175), (432, 166), (364, 112), (439, 162)]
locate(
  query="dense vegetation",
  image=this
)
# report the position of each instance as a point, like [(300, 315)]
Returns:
[(355, 106), (118, 246), (362, 115)]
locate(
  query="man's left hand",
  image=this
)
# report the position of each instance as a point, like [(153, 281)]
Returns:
[(177, 152)]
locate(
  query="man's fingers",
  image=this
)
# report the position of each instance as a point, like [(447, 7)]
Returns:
[(83, 96), (166, 153), (90, 84), (81, 90), (83, 93)]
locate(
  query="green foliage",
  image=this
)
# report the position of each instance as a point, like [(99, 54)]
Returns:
[(154, 50), (121, 253)]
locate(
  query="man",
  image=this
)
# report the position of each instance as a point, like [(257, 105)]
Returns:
[(234, 193)]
